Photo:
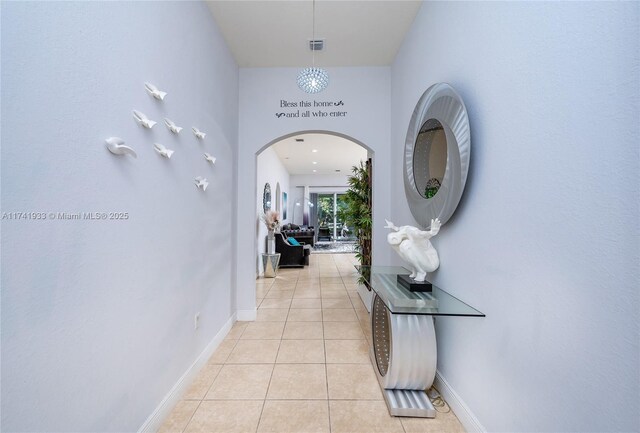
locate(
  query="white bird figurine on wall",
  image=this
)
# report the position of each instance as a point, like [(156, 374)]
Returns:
[(163, 150), (202, 183), (210, 158), (143, 120), (154, 91), (198, 133), (117, 147), (172, 126)]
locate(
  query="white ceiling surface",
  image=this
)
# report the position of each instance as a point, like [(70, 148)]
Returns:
[(275, 33), (333, 153)]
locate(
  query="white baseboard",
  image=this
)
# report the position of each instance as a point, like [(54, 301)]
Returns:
[(458, 406), (155, 420), (247, 315)]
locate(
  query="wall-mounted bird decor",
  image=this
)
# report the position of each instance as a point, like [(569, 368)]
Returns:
[(143, 120), (172, 126), (210, 158), (163, 150), (154, 91), (117, 147), (201, 183), (199, 134)]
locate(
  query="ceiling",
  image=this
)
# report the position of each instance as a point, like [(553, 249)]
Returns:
[(275, 33), (333, 153)]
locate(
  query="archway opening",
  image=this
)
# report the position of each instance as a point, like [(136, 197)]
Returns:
[(312, 169)]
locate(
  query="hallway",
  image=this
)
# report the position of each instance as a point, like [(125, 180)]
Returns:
[(302, 366)]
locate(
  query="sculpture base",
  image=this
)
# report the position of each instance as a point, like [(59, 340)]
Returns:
[(413, 285)]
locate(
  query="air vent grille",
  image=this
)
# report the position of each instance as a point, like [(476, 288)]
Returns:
[(316, 45)]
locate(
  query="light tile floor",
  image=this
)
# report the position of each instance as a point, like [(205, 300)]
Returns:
[(301, 367)]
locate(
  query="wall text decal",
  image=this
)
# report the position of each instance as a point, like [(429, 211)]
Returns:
[(306, 108)]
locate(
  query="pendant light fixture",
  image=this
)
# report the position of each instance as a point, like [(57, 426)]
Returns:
[(313, 80)]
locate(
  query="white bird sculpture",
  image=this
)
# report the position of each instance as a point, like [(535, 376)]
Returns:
[(154, 91), (163, 150), (117, 147), (143, 120), (210, 158), (413, 245), (202, 183), (198, 133), (172, 126)]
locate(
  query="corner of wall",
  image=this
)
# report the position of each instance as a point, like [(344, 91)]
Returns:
[(247, 315), (458, 406)]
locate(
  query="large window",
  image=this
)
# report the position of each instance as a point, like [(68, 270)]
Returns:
[(330, 225)]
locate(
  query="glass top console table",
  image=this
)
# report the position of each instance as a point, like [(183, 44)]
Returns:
[(404, 351)]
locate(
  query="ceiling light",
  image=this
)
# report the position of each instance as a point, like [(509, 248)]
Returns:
[(313, 80), (314, 150), (315, 162), (315, 171)]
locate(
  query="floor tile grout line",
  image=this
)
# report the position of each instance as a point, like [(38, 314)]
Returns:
[(326, 368), (191, 417), (265, 396)]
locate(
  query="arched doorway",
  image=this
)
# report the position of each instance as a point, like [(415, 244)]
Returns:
[(326, 164)]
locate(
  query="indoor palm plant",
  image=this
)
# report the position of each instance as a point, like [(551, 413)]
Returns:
[(357, 212)]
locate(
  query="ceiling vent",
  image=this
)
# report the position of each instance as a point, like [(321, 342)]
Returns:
[(316, 45), (299, 140)]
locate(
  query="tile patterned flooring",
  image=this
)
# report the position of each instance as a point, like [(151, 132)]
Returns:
[(301, 367)]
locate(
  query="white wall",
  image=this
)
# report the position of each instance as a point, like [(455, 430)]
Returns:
[(366, 99), (98, 316), (269, 169), (320, 180), (545, 240)]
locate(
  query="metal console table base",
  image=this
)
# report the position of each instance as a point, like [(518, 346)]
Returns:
[(404, 402), (404, 349)]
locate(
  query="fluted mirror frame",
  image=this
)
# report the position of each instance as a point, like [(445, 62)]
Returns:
[(443, 103)]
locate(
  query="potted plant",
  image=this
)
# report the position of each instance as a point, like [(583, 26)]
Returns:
[(357, 211)]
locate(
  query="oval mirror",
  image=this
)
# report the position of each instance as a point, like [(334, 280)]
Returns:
[(436, 154), (266, 197)]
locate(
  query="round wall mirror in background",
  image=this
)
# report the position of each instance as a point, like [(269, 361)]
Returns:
[(436, 154), (430, 158), (266, 197)]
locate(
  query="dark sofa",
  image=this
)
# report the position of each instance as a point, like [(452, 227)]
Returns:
[(303, 234)]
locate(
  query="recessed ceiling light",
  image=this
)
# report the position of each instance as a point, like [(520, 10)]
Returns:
[(338, 171), (315, 171), (315, 162), (314, 150)]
